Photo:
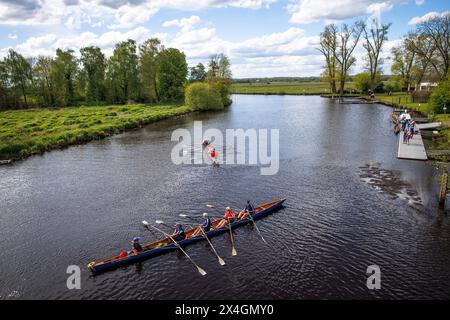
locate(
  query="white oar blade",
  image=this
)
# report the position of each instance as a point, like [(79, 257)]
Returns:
[(221, 261), (145, 223), (234, 252), (201, 271), (182, 215), (210, 206), (159, 222)]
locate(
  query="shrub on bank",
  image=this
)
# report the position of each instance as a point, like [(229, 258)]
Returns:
[(440, 97), (201, 97)]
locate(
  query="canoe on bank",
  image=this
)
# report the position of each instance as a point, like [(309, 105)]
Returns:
[(165, 245)]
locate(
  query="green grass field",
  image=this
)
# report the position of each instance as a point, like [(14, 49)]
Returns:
[(293, 88), (26, 132)]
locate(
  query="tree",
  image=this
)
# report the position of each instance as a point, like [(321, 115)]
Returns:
[(148, 68), (202, 96), (402, 65), (437, 31), (362, 82), (431, 45), (172, 74), (19, 72), (440, 96), (94, 66), (42, 72), (374, 40), (328, 45), (122, 72), (63, 73), (348, 38), (197, 73)]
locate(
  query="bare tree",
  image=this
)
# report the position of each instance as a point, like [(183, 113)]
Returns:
[(374, 40), (328, 45), (348, 38), (402, 65), (431, 43)]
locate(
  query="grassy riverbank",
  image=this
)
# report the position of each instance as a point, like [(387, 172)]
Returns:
[(281, 88), (27, 132)]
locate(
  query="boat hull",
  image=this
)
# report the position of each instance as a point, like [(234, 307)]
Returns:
[(115, 263)]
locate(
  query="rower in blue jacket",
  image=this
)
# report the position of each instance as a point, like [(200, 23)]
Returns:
[(206, 226), (178, 234)]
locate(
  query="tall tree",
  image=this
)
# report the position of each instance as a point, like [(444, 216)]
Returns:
[(213, 67), (224, 71), (348, 38), (122, 72), (437, 31), (148, 68), (172, 74), (94, 66), (64, 74), (42, 72), (328, 46), (197, 73), (402, 65), (374, 40), (20, 74)]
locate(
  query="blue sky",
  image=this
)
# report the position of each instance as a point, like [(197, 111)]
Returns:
[(261, 37)]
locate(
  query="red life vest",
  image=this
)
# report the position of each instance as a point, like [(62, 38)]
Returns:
[(213, 154), (228, 214)]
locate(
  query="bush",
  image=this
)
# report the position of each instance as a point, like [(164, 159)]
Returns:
[(362, 82), (201, 97), (440, 97)]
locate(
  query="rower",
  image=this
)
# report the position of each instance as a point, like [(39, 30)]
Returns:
[(227, 218), (213, 153), (135, 245), (248, 210), (206, 225), (178, 234)]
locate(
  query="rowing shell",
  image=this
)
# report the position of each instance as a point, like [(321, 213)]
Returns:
[(165, 245)]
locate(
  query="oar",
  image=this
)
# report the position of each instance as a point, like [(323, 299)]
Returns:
[(233, 251), (257, 229), (200, 270), (221, 261)]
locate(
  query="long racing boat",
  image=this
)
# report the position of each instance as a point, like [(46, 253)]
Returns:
[(166, 245)]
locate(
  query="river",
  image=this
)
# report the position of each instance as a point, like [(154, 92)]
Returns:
[(350, 204)]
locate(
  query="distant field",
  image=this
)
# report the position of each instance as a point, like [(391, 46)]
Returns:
[(283, 88)]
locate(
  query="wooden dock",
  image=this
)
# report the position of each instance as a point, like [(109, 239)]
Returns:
[(415, 150), (429, 126)]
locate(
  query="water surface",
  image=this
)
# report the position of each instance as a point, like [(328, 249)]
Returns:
[(86, 203)]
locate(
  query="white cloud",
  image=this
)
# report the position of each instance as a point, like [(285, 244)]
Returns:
[(184, 23), (122, 13), (12, 36), (309, 11), (420, 2), (428, 16)]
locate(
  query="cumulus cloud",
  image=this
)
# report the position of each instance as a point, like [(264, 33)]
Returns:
[(124, 13), (309, 11), (428, 16), (420, 2)]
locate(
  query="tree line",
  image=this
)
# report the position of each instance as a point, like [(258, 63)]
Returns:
[(423, 54), (147, 73)]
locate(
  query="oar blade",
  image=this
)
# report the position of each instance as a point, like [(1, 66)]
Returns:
[(234, 252), (145, 223), (221, 261), (201, 271), (210, 206), (159, 222), (182, 215)]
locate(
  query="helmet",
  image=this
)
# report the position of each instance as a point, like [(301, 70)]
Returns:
[(205, 214), (135, 239), (228, 208)]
